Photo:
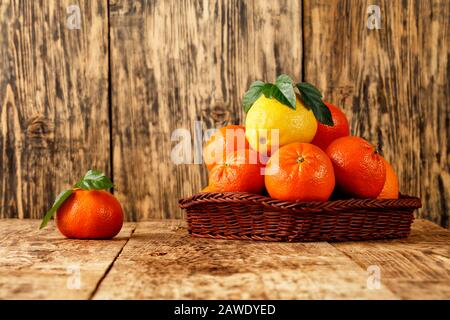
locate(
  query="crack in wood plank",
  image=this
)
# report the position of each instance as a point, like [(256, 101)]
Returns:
[(161, 261), (110, 265), (34, 263)]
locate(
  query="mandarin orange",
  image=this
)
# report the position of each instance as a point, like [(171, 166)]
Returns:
[(327, 134), (359, 169), (90, 214), (241, 171), (299, 171), (224, 141), (390, 189)]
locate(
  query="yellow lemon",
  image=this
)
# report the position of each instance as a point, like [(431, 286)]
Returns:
[(270, 124)]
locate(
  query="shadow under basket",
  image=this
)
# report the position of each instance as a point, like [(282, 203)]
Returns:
[(245, 216)]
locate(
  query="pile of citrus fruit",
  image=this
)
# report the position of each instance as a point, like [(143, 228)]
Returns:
[(295, 147)]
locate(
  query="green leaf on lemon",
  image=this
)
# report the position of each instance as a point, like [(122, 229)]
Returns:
[(63, 196), (312, 98), (309, 89), (282, 90), (285, 86), (92, 180), (276, 93), (252, 95)]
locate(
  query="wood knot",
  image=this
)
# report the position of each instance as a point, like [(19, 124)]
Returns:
[(217, 116), (39, 132), (158, 254)]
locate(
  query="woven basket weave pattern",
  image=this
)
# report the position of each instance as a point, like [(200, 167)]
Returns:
[(243, 216)]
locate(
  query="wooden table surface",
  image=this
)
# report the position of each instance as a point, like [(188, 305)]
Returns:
[(159, 260)]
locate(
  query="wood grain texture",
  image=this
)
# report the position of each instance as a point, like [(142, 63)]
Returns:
[(54, 122), (37, 264), (418, 266), (175, 62), (392, 83), (161, 261), (158, 259)]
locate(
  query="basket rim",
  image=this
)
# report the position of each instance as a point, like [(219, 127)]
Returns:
[(404, 202)]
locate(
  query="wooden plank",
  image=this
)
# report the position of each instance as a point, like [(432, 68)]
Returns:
[(161, 261), (43, 264), (417, 267), (174, 62), (53, 101), (392, 83)]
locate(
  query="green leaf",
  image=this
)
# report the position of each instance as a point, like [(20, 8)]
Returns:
[(63, 196), (309, 89), (280, 96), (268, 90), (282, 90), (285, 86), (272, 91), (93, 175), (94, 180), (252, 95), (312, 98)]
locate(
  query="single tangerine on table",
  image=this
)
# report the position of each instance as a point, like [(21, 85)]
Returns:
[(239, 172), (327, 134), (224, 141), (299, 171), (359, 168), (90, 214)]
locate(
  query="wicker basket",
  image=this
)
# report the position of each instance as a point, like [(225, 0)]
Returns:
[(244, 216)]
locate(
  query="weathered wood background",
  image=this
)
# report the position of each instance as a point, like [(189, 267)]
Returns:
[(110, 94)]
